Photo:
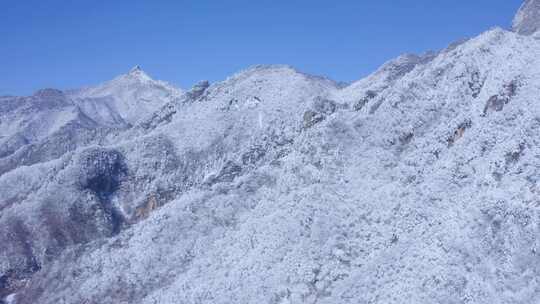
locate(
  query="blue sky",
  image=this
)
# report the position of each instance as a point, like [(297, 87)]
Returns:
[(68, 44)]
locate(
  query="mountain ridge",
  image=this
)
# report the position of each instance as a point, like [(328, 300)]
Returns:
[(418, 183)]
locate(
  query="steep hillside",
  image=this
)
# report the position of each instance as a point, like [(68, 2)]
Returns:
[(527, 20), (417, 184), (130, 96)]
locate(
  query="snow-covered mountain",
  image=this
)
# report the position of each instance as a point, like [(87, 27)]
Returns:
[(129, 97), (527, 20), (417, 184)]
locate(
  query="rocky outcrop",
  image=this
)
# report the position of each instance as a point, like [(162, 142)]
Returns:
[(320, 109), (198, 89), (527, 19)]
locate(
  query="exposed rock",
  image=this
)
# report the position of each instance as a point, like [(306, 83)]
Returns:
[(324, 106), (312, 118), (254, 154), (359, 105), (497, 102), (198, 89), (459, 132), (144, 211), (228, 173), (320, 109), (527, 19)]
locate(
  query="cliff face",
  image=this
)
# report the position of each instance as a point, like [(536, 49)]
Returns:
[(527, 20)]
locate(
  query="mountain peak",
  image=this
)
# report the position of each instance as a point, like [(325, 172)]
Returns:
[(49, 93), (137, 73), (131, 96), (527, 19), (136, 69)]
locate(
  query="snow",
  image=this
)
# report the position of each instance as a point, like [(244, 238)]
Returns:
[(131, 96), (10, 299), (416, 184), (527, 20)]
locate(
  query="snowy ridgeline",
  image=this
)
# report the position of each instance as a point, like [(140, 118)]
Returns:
[(417, 184)]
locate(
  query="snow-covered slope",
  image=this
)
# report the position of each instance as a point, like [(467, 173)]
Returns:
[(50, 123), (527, 20), (130, 96), (33, 118), (42, 127), (418, 184)]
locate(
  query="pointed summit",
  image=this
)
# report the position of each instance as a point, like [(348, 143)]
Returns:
[(132, 95), (136, 69), (527, 19), (137, 74)]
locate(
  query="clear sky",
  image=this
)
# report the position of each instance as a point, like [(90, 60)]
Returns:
[(68, 44)]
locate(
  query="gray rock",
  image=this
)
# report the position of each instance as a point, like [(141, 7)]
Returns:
[(312, 118), (198, 89), (527, 19)]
